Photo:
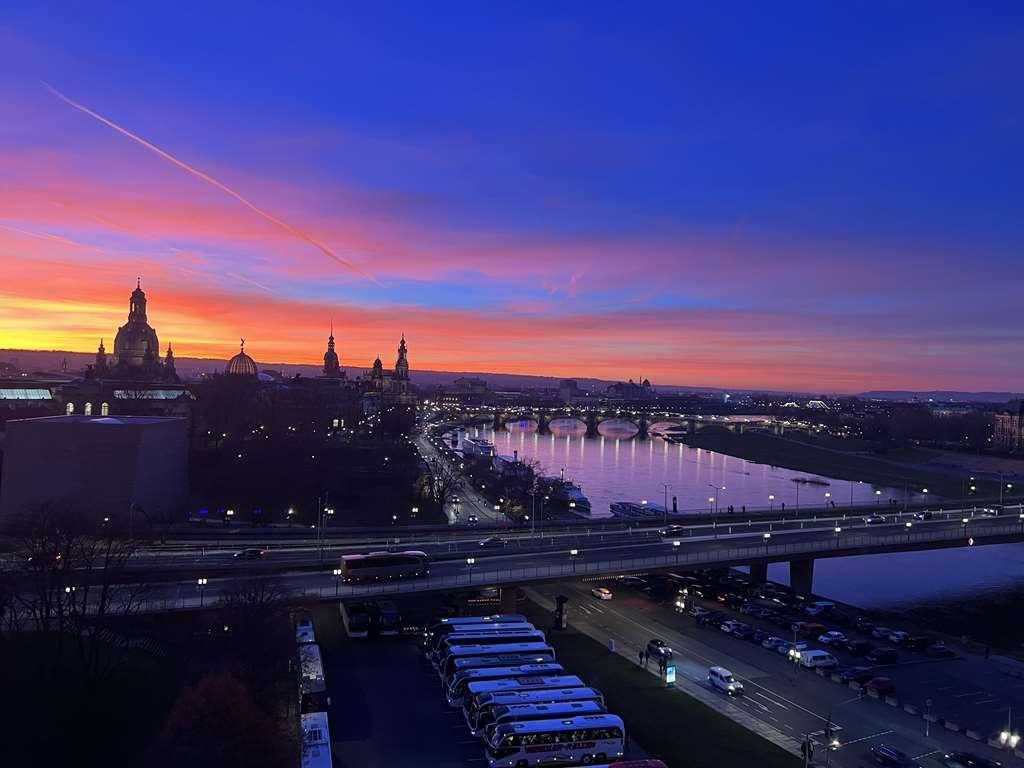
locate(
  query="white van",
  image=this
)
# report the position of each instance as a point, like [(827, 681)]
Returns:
[(722, 679), (815, 658)]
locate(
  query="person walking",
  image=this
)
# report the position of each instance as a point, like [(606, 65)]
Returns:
[(640, 657)]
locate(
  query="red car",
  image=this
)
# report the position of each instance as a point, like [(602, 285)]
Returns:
[(883, 686)]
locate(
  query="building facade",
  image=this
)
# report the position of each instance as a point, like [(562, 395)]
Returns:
[(1008, 428)]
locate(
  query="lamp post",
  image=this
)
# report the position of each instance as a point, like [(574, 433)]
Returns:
[(909, 525), (337, 580), (878, 497), (572, 556), (719, 490), (828, 496), (963, 523), (414, 511), (711, 505), (767, 537), (838, 531), (201, 583), (470, 562), (666, 486), (1008, 738), (771, 503)]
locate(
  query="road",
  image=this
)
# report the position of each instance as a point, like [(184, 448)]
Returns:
[(471, 501), (795, 702)]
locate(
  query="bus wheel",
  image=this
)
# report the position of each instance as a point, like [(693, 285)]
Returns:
[(588, 759), (523, 764), (602, 757)]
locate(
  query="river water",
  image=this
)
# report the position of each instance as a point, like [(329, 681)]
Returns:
[(619, 467)]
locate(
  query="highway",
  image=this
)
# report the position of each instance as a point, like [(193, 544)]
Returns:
[(791, 702)]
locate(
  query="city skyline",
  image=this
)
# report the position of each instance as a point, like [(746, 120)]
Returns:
[(829, 205)]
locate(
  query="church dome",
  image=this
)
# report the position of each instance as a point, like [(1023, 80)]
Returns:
[(241, 364)]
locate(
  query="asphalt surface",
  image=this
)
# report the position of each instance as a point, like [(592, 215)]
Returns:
[(796, 701)]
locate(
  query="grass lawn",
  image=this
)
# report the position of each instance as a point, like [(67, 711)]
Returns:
[(667, 723)]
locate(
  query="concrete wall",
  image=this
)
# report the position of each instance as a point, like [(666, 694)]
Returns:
[(101, 464)]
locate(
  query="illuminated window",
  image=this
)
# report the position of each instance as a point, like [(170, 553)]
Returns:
[(70, 410), (105, 409), (88, 409)]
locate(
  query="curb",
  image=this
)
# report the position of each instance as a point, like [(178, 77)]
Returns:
[(892, 701), (951, 726), (911, 709), (970, 733)]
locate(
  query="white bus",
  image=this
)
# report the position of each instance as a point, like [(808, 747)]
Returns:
[(585, 739), (387, 619), (503, 637), (304, 631), (312, 683), (468, 630), (316, 741), (456, 689), (501, 660), (446, 668), (471, 699), (520, 713), (357, 619), (384, 566), (444, 625), (489, 703)]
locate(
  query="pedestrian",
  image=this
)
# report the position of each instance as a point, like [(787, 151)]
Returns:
[(783, 506), (640, 657), (744, 509), (647, 659)]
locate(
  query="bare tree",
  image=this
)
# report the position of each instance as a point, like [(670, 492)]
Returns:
[(442, 481)]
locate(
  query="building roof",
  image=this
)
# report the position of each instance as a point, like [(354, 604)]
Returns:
[(241, 364)]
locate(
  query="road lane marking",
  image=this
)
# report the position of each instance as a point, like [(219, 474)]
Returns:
[(866, 738), (965, 695), (769, 698)]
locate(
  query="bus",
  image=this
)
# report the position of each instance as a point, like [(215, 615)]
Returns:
[(489, 703), (585, 739), (316, 741), (526, 633), (471, 699), (304, 631), (501, 660), (356, 618), (469, 630), (519, 713), (384, 566), (456, 689), (387, 619), (312, 683), (446, 667), (444, 625)]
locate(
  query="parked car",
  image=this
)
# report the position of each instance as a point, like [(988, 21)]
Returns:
[(601, 593), (883, 656), (749, 609), (697, 612), (729, 626), (830, 637), (722, 679), (772, 642), (874, 519), (939, 650), (842, 618), (819, 607), (808, 628), (899, 637), (785, 648), (758, 636), (883, 686), (968, 760), (856, 647), (864, 624), (891, 757), (856, 675), (814, 658), (633, 582), (659, 649), (882, 633), (743, 631), (712, 618), (917, 642), (765, 613)]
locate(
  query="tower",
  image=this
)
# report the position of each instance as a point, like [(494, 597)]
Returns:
[(100, 367), (136, 347), (169, 373), (402, 364), (332, 365)]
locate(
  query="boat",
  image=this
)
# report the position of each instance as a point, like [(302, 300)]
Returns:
[(634, 510), (477, 448)]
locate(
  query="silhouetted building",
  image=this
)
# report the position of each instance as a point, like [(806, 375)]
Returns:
[(241, 364), (1008, 428)]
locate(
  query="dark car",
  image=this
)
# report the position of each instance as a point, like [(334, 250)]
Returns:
[(672, 531), (249, 554), (841, 618), (493, 542), (874, 519), (758, 636), (856, 675), (883, 656), (855, 647), (743, 631), (924, 515), (939, 651), (864, 624), (968, 760), (883, 686), (633, 582), (917, 642), (889, 756), (658, 649), (713, 619)]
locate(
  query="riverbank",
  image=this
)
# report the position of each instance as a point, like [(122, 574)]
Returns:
[(780, 452)]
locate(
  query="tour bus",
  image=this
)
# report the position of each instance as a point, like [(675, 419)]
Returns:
[(519, 713), (304, 631), (469, 630), (384, 566), (444, 625), (312, 684), (447, 667), (501, 660), (585, 739), (456, 689), (387, 619), (489, 703), (471, 699), (505, 637), (316, 741), (356, 618)]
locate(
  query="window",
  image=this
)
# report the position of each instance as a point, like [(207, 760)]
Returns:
[(70, 410), (105, 409), (88, 409)]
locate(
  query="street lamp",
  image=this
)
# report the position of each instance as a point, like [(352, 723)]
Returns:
[(415, 511), (470, 562), (337, 580), (201, 583), (771, 503), (878, 497), (838, 531), (394, 519), (767, 537), (572, 556), (711, 505), (909, 526)]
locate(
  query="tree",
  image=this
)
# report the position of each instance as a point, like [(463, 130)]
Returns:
[(256, 610), (217, 723), (443, 480)]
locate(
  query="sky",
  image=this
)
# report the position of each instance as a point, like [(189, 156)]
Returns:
[(807, 196)]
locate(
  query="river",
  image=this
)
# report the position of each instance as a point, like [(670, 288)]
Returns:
[(618, 467)]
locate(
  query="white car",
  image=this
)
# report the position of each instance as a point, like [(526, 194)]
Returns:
[(722, 679), (601, 593), (831, 637), (898, 637)]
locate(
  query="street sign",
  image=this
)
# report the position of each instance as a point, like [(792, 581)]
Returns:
[(670, 674)]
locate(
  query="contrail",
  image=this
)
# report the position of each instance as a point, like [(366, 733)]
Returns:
[(212, 181)]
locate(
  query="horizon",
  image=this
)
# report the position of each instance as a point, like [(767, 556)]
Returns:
[(819, 208)]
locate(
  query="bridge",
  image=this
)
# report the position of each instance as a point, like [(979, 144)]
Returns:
[(463, 565), (641, 417)]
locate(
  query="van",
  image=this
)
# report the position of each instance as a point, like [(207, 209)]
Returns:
[(816, 658), (722, 679), (819, 607)]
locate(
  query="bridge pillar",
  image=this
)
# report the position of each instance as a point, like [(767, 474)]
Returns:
[(592, 426), (758, 573), (642, 426), (543, 423), (801, 576), (508, 599), (498, 422)]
